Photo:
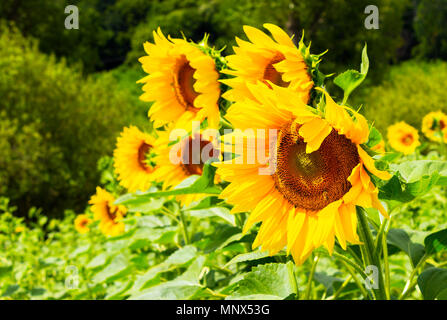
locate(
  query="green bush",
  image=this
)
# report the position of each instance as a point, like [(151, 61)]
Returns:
[(429, 26), (55, 125), (410, 91)]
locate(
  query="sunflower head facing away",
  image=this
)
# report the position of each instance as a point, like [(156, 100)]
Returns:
[(403, 137), (81, 223), (434, 126), (268, 60), (108, 214), (183, 159), (182, 82), (132, 159), (321, 172)]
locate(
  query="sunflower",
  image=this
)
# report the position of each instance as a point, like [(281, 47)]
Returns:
[(182, 82), (131, 159), (276, 61), (403, 137), (108, 213), (434, 126), (321, 172), (19, 229), (181, 160), (81, 223)]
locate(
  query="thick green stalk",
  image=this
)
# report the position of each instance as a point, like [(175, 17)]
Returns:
[(372, 259)]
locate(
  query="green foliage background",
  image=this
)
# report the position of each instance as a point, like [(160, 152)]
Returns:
[(55, 124)]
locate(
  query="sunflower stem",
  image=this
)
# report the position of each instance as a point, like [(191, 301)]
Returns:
[(386, 266), (372, 259), (356, 280), (354, 255), (292, 275), (339, 291), (409, 286), (183, 226), (311, 276)]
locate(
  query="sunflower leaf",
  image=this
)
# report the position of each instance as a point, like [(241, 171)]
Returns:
[(414, 179), (433, 283), (351, 79), (267, 281), (436, 242)]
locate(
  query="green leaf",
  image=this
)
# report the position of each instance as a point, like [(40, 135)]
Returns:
[(5, 270), (400, 239), (250, 256), (205, 203), (433, 283), (436, 242), (220, 212), (268, 281), (194, 271), (171, 290), (374, 137), (220, 236), (351, 79), (118, 268), (79, 250), (414, 179), (181, 256), (183, 287), (10, 290), (98, 261), (143, 205), (329, 282)]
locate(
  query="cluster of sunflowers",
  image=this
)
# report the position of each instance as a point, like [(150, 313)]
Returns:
[(323, 153), (405, 138)]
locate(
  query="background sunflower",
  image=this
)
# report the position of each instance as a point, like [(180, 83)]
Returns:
[(182, 82), (81, 223), (403, 137), (132, 159), (434, 126), (108, 214), (183, 159)]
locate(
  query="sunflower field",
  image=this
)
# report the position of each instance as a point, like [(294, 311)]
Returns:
[(256, 175)]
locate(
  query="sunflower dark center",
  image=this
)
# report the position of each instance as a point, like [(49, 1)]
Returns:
[(272, 75), (407, 139), (312, 181), (194, 153), (184, 84), (111, 211), (142, 156)]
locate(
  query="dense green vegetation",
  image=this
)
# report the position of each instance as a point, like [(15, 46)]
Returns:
[(55, 125), (408, 92)]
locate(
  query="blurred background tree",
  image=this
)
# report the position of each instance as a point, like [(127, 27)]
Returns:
[(54, 126), (67, 93), (430, 27)]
